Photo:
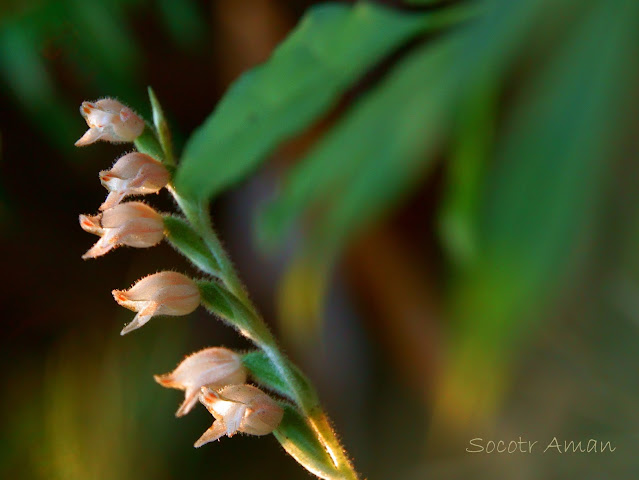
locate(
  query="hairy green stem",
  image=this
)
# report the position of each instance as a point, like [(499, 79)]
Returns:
[(198, 216), (302, 391)]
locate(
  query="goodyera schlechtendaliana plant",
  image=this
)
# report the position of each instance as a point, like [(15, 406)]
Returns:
[(215, 376)]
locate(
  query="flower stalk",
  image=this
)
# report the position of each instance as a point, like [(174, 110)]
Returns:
[(299, 387), (303, 429)]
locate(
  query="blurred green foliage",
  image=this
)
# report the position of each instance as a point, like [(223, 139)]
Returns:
[(519, 200), (524, 107), (88, 41), (331, 47)]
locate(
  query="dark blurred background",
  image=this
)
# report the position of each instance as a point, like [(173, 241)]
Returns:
[(410, 356)]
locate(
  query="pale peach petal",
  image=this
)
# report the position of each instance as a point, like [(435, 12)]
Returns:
[(130, 125), (163, 293), (149, 285), (167, 380), (90, 136), (191, 395), (133, 224), (113, 198), (242, 408), (216, 431), (208, 398), (112, 182), (261, 418), (128, 165), (141, 318), (233, 418), (121, 296), (108, 105), (126, 114), (91, 224), (126, 212), (134, 174), (101, 247), (141, 233), (177, 299), (111, 121)]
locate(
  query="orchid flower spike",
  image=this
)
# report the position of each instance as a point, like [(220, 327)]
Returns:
[(239, 408), (214, 367), (110, 121), (133, 174), (134, 224), (163, 293)]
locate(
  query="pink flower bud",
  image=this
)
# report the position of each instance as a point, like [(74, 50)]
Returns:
[(213, 367), (239, 408), (110, 121), (133, 174), (163, 293), (134, 224)]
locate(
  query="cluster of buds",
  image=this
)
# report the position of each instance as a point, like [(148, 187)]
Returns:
[(214, 376), (134, 224), (239, 408)]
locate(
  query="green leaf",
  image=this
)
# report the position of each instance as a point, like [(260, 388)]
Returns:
[(148, 143), (219, 301), (161, 128), (465, 170), (542, 196), (28, 82), (333, 45), (112, 46), (301, 443), (264, 373), (366, 161), (425, 3), (185, 240), (383, 146), (185, 21), (367, 148), (103, 46), (537, 208), (358, 171)]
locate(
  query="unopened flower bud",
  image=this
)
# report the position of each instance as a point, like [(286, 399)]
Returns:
[(239, 408), (133, 174), (134, 224), (214, 367), (110, 121), (163, 293)]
